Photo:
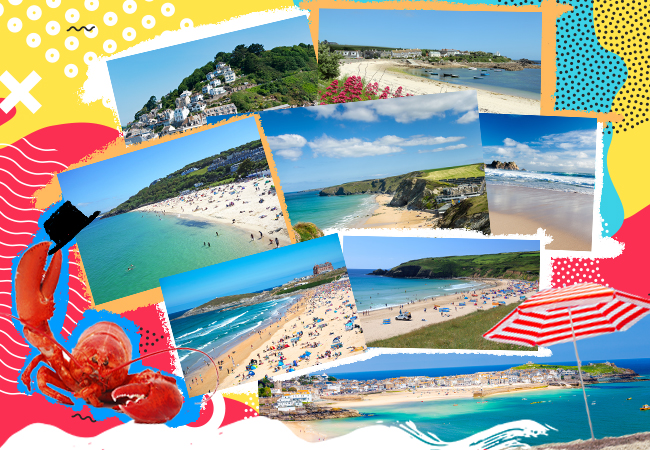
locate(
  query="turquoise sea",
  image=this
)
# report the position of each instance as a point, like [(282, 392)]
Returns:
[(216, 331), (374, 292), (522, 83), (337, 211), (563, 410), (157, 247)]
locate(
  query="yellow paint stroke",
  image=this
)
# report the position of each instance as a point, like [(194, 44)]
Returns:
[(621, 29)]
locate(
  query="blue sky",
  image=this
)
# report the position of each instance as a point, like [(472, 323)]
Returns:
[(630, 344), (541, 143), (369, 252), (324, 146), (249, 274), (103, 185), (513, 34), (138, 77)]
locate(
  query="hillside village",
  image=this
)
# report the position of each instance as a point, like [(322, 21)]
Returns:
[(192, 109), (249, 78)]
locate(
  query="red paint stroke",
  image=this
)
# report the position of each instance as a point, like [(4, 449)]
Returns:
[(236, 411), (6, 117), (206, 414), (25, 410), (627, 272)]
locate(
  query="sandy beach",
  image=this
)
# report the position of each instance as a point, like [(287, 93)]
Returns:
[(392, 217), (235, 204), (488, 102), (427, 311), (333, 303), (566, 216)]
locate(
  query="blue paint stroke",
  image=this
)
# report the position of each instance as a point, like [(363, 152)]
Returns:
[(587, 76), (611, 207)]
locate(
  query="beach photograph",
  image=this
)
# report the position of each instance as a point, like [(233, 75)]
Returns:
[(263, 315), (413, 162), (181, 87), (173, 207), (540, 173), (452, 397), (415, 292), (378, 54)]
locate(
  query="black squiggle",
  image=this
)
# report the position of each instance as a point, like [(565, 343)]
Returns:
[(84, 418), (82, 28)]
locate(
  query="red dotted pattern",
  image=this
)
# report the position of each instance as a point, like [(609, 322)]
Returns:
[(568, 271)]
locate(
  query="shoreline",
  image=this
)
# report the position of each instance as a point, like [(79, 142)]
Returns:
[(385, 216), (488, 101), (247, 215), (566, 216), (428, 312), (315, 302)]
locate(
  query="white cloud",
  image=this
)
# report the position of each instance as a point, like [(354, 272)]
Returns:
[(418, 140), (442, 149), (468, 117), (582, 139), (350, 148), (288, 146), (405, 109)]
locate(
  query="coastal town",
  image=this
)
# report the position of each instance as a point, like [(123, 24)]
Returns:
[(192, 108), (299, 396)]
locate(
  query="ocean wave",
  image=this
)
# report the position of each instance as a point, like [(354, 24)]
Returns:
[(210, 328), (571, 179)]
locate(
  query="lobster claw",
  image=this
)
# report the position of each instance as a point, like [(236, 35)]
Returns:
[(34, 288), (149, 397)]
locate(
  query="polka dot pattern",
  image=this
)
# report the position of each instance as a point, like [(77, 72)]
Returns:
[(568, 271), (621, 27), (588, 76), (149, 340)]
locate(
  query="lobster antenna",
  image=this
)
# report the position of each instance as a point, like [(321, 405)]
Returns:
[(166, 351)]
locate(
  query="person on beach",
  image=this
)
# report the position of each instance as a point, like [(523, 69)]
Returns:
[(252, 237), (261, 235), (277, 242)]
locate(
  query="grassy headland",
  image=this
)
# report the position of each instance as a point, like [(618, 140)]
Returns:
[(517, 265), (174, 183)]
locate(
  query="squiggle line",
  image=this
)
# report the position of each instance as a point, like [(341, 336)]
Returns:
[(84, 418), (72, 276), (82, 297), (7, 334), (19, 209), (35, 160), (11, 245), (41, 149), (8, 366), (7, 379), (25, 170), (75, 307), (66, 330), (24, 184), (71, 319), (82, 28), (12, 393), (18, 195), (17, 221), (11, 232), (15, 356)]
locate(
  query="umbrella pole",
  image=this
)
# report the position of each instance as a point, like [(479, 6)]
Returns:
[(584, 393)]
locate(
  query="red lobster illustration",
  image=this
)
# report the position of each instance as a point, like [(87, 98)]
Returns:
[(97, 369)]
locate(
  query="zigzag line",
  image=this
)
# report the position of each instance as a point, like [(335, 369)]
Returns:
[(84, 418), (79, 29)]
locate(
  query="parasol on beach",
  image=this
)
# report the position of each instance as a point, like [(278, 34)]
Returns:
[(580, 311)]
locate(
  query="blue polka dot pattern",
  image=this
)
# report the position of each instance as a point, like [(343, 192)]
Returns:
[(588, 76)]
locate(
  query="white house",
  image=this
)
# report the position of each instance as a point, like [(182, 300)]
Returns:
[(197, 107), (209, 76), (190, 170), (434, 54), (408, 53), (181, 114), (350, 53), (217, 91), (214, 83), (197, 98), (206, 89), (230, 76)]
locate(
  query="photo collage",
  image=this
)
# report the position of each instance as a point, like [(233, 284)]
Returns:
[(362, 224)]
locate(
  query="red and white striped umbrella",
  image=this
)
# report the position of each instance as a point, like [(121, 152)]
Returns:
[(547, 317), (554, 316)]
